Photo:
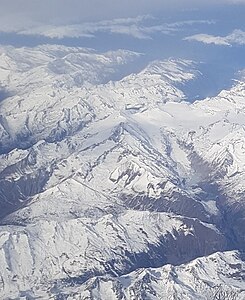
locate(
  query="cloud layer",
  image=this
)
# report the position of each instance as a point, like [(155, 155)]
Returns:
[(134, 27), (236, 37), (25, 14)]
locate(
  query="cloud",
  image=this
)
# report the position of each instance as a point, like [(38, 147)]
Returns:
[(137, 28), (17, 15), (128, 26), (236, 37), (208, 39)]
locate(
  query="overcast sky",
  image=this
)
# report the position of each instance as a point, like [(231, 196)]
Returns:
[(22, 14)]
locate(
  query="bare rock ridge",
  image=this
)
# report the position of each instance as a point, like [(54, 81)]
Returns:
[(117, 188)]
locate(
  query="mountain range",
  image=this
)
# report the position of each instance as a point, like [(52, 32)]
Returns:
[(117, 186)]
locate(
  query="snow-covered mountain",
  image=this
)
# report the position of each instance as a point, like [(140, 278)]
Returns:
[(102, 180), (219, 276)]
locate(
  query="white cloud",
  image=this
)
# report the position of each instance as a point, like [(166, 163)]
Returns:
[(135, 27), (236, 37), (208, 39), (129, 26)]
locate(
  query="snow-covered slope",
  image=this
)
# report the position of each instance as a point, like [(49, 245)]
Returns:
[(100, 177), (36, 257), (219, 276)]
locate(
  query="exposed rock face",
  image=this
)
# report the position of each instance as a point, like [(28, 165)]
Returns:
[(100, 178)]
